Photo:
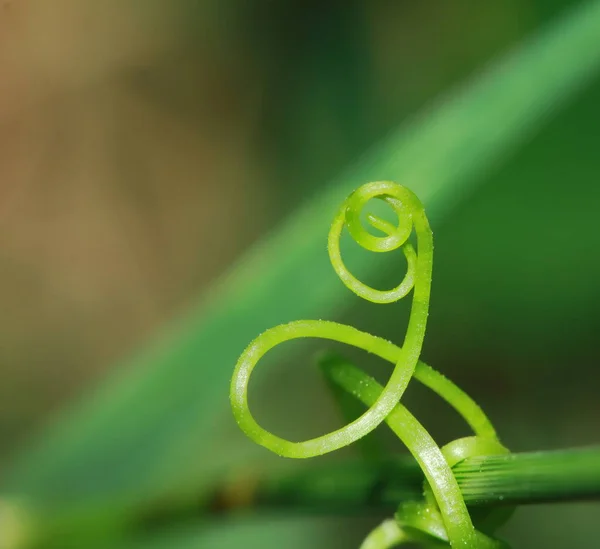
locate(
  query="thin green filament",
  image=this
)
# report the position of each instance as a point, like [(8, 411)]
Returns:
[(442, 517), (410, 213)]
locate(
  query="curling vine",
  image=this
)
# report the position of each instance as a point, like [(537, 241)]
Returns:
[(442, 516)]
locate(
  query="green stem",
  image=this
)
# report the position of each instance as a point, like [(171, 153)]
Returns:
[(511, 479), (348, 487), (536, 477), (420, 444)]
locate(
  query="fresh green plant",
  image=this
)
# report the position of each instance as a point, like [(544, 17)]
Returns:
[(442, 515), (147, 436)]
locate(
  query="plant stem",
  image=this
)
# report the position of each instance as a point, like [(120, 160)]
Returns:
[(536, 477), (334, 487)]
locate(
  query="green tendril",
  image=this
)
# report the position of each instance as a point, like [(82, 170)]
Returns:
[(442, 517)]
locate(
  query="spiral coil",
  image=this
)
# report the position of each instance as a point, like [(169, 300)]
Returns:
[(442, 516)]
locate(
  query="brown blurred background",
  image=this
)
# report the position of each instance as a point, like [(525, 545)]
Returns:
[(122, 140)]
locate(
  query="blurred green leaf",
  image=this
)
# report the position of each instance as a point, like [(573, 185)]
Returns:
[(268, 533), (156, 416)]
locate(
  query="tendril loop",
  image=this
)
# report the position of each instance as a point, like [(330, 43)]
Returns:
[(442, 516), (408, 210)]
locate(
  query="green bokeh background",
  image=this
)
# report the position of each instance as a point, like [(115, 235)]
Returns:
[(515, 304)]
